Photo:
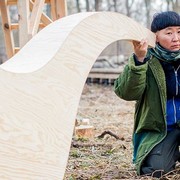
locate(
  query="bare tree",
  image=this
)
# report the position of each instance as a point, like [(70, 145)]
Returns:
[(87, 5), (108, 5), (168, 4), (128, 6), (148, 10), (78, 6), (115, 5), (173, 5), (111, 6), (176, 6), (97, 4)]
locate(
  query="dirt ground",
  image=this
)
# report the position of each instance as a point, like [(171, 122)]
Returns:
[(108, 157)]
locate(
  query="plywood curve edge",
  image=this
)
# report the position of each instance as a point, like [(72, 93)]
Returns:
[(41, 87)]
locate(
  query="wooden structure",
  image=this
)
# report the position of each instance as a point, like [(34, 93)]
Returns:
[(41, 87), (103, 75), (31, 18)]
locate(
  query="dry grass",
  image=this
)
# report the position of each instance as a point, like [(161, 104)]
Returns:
[(105, 158)]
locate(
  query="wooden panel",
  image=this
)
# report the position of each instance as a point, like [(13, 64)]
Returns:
[(41, 87), (6, 23), (23, 20)]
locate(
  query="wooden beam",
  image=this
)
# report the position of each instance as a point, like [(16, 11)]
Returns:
[(35, 17), (14, 2), (11, 2), (16, 49), (53, 10), (23, 14), (61, 8), (42, 25), (105, 73), (15, 26), (6, 24), (44, 18)]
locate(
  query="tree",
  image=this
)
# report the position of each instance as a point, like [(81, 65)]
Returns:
[(78, 6), (97, 5), (87, 5), (176, 5), (128, 5), (148, 10), (115, 5)]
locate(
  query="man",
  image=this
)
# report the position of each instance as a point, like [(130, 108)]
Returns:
[(152, 79)]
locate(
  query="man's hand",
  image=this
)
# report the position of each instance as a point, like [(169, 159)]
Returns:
[(140, 49)]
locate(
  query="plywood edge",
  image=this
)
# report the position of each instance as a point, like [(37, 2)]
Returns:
[(51, 38)]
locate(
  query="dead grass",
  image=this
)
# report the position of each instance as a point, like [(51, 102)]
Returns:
[(106, 158)]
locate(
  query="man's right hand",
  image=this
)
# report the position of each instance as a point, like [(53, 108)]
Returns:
[(140, 49)]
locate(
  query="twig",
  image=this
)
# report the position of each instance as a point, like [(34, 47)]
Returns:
[(79, 145), (110, 133)]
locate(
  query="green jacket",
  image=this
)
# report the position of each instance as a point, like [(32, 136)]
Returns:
[(146, 85)]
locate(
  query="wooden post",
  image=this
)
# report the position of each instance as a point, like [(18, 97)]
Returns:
[(35, 17), (44, 18), (53, 10), (6, 23), (61, 8), (28, 25), (23, 14)]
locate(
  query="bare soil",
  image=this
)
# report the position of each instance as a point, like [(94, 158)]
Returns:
[(108, 157)]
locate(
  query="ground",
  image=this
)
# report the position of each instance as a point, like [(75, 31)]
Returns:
[(108, 157)]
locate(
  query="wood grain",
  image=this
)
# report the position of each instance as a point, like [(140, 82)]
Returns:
[(40, 89)]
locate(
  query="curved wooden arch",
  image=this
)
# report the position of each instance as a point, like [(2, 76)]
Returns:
[(40, 88)]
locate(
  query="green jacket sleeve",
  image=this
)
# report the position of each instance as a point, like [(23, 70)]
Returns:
[(131, 82)]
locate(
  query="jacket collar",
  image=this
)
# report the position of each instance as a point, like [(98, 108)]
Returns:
[(159, 75)]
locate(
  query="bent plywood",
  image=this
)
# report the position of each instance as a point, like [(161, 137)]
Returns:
[(40, 88)]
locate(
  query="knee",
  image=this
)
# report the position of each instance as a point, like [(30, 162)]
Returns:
[(156, 170), (150, 171)]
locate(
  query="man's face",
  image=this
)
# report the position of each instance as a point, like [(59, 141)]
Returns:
[(169, 38)]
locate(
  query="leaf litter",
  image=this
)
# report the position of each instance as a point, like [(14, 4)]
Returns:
[(106, 157)]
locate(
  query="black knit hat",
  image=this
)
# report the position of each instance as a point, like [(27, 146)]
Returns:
[(165, 19)]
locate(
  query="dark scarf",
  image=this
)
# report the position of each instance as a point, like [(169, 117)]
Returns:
[(163, 54), (170, 60)]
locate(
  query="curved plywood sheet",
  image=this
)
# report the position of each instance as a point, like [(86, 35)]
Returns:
[(40, 88)]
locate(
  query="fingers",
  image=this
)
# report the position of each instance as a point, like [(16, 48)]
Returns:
[(142, 44), (136, 43), (140, 49)]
